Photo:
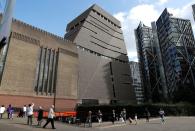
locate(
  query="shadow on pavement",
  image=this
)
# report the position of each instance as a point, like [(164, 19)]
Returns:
[(34, 126), (19, 123), (154, 123)]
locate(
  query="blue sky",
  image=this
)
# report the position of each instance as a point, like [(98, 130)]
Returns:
[(54, 15)]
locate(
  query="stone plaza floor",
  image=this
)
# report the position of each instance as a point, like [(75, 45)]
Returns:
[(171, 124)]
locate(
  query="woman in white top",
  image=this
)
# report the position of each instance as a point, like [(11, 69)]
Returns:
[(2, 110), (24, 111)]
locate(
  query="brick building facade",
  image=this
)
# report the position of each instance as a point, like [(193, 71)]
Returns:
[(35, 64)]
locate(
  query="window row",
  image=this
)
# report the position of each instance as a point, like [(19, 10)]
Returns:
[(109, 21), (98, 54), (46, 71), (77, 24)]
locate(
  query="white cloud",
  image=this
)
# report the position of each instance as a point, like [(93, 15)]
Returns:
[(183, 12), (130, 21), (147, 13), (161, 2), (132, 55), (120, 16)]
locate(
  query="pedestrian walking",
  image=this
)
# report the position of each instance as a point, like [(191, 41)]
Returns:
[(130, 120), (147, 114), (40, 116), (135, 118), (121, 117), (89, 119), (10, 111), (20, 114), (2, 110), (113, 116), (99, 117), (24, 111), (30, 114), (162, 115), (124, 115), (50, 118), (117, 116)]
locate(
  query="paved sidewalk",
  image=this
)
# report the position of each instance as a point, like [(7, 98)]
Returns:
[(171, 124)]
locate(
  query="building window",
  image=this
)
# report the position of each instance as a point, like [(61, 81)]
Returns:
[(46, 70), (82, 21), (77, 25), (72, 28)]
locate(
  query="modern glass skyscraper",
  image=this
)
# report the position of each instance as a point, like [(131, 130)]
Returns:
[(104, 74), (193, 10), (167, 55), (136, 82), (147, 59), (162, 85), (178, 53)]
